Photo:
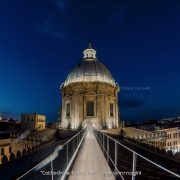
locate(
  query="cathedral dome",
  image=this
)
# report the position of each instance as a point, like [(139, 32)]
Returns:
[(90, 69)]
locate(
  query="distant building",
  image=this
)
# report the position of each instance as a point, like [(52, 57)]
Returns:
[(156, 138), (33, 121), (173, 139)]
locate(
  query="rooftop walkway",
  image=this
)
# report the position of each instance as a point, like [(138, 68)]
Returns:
[(90, 162)]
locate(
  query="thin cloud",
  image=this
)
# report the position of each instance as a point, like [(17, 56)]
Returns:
[(44, 26), (47, 27), (55, 24), (60, 4), (129, 103)]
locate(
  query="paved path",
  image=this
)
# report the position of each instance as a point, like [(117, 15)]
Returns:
[(90, 162)]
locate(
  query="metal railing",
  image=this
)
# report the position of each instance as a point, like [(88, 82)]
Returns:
[(127, 163), (57, 165)]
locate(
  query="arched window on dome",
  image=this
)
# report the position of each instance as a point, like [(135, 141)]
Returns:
[(68, 110), (90, 108), (111, 110)]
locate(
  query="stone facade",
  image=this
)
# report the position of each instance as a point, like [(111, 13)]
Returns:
[(173, 139), (33, 121)]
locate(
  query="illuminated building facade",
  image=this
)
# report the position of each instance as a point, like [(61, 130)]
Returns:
[(173, 139), (90, 95), (33, 121)]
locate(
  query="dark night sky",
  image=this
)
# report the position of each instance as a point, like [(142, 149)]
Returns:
[(139, 41)]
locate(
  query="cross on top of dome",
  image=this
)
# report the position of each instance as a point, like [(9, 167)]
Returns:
[(89, 53), (90, 45)]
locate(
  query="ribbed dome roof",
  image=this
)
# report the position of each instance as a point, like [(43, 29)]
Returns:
[(89, 70)]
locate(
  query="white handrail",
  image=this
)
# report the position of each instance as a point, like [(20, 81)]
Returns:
[(110, 158), (161, 167), (58, 148), (72, 159)]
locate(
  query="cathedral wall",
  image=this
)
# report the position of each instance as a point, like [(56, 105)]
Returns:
[(78, 95), (93, 118)]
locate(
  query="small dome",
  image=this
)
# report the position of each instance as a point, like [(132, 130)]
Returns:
[(89, 70)]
